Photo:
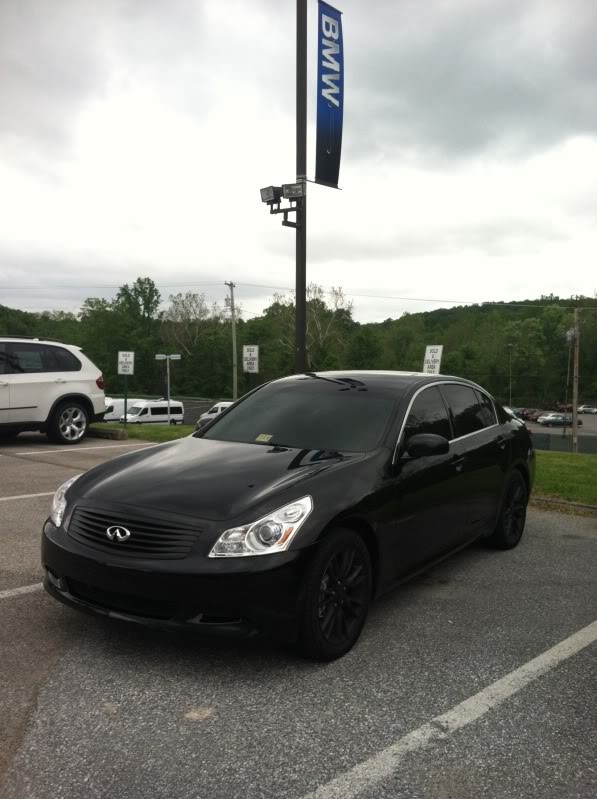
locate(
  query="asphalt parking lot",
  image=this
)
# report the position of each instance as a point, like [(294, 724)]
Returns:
[(476, 679), (587, 428)]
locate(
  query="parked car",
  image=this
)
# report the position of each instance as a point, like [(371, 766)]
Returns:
[(532, 417), (211, 414), (154, 412), (49, 386), (293, 510), (587, 409), (556, 419), (565, 407), (115, 408)]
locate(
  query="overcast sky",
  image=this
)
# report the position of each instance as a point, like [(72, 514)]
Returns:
[(135, 135)]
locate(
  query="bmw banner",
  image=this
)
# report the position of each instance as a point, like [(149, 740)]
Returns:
[(330, 95)]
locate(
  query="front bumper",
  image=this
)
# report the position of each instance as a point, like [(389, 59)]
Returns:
[(236, 597)]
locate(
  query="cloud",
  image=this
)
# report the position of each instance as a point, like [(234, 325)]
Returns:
[(460, 78), (134, 136)]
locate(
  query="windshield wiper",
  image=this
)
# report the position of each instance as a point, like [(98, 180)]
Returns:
[(345, 382)]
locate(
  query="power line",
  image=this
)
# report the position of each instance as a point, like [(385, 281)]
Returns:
[(391, 297), (76, 287)]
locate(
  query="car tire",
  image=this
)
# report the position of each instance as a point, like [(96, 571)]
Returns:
[(336, 598), (513, 513), (173, 422), (68, 424)]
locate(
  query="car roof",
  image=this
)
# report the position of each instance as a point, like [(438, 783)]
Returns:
[(383, 378), (39, 340), (157, 402)]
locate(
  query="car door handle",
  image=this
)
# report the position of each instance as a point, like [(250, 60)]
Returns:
[(458, 464), (60, 380), (3, 383)]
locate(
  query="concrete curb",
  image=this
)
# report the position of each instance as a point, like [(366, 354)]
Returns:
[(565, 504), (114, 435)]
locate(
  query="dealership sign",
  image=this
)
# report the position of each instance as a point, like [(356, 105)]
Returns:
[(433, 359), (126, 363), (250, 358), (330, 95)]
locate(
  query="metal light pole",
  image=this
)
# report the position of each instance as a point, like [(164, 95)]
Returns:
[(231, 286), (301, 177), (168, 358), (510, 348), (575, 380)]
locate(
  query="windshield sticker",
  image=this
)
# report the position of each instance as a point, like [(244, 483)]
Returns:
[(263, 438)]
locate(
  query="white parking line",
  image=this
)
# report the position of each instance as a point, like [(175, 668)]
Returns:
[(26, 589), (61, 450), (27, 496), (382, 765)]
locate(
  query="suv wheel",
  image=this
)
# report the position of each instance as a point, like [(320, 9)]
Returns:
[(68, 424)]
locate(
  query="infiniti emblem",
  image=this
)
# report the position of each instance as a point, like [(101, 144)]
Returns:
[(118, 533)]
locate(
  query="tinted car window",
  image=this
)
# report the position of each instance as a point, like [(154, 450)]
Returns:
[(29, 358), (159, 411), (428, 414), (64, 360), (466, 410), (487, 417), (3, 367), (309, 413)]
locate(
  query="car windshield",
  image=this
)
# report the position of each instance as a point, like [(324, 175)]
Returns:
[(309, 413), (135, 410)]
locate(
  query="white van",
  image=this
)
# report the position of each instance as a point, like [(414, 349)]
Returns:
[(115, 408), (154, 412)]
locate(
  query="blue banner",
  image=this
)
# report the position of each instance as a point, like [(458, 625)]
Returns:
[(330, 95)]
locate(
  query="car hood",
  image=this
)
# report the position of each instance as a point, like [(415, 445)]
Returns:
[(212, 480)]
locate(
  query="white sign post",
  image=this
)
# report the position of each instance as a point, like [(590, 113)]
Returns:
[(126, 367), (250, 358), (126, 363), (433, 359)]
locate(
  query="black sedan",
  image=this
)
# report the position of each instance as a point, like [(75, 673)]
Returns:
[(294, 508)]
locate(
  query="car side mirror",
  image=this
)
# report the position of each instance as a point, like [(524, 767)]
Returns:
[(425, 445)]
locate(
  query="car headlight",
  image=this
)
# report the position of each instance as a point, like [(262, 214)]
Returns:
[(272, 533), (59, 502)]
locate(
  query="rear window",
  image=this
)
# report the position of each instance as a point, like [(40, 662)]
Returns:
[(310, 413), (65, 361)]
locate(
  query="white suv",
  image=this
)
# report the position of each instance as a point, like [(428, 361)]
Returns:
[(49, 386)]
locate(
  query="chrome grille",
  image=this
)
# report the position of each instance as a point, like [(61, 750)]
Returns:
[(152, 538)]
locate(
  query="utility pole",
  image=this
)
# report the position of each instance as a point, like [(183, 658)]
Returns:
[(569, 337), (232, 286), (168, 384), (575, 380), (301, 177)]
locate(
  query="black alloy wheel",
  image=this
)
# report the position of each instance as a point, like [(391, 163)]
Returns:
[(513, 514), (338, 592)]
